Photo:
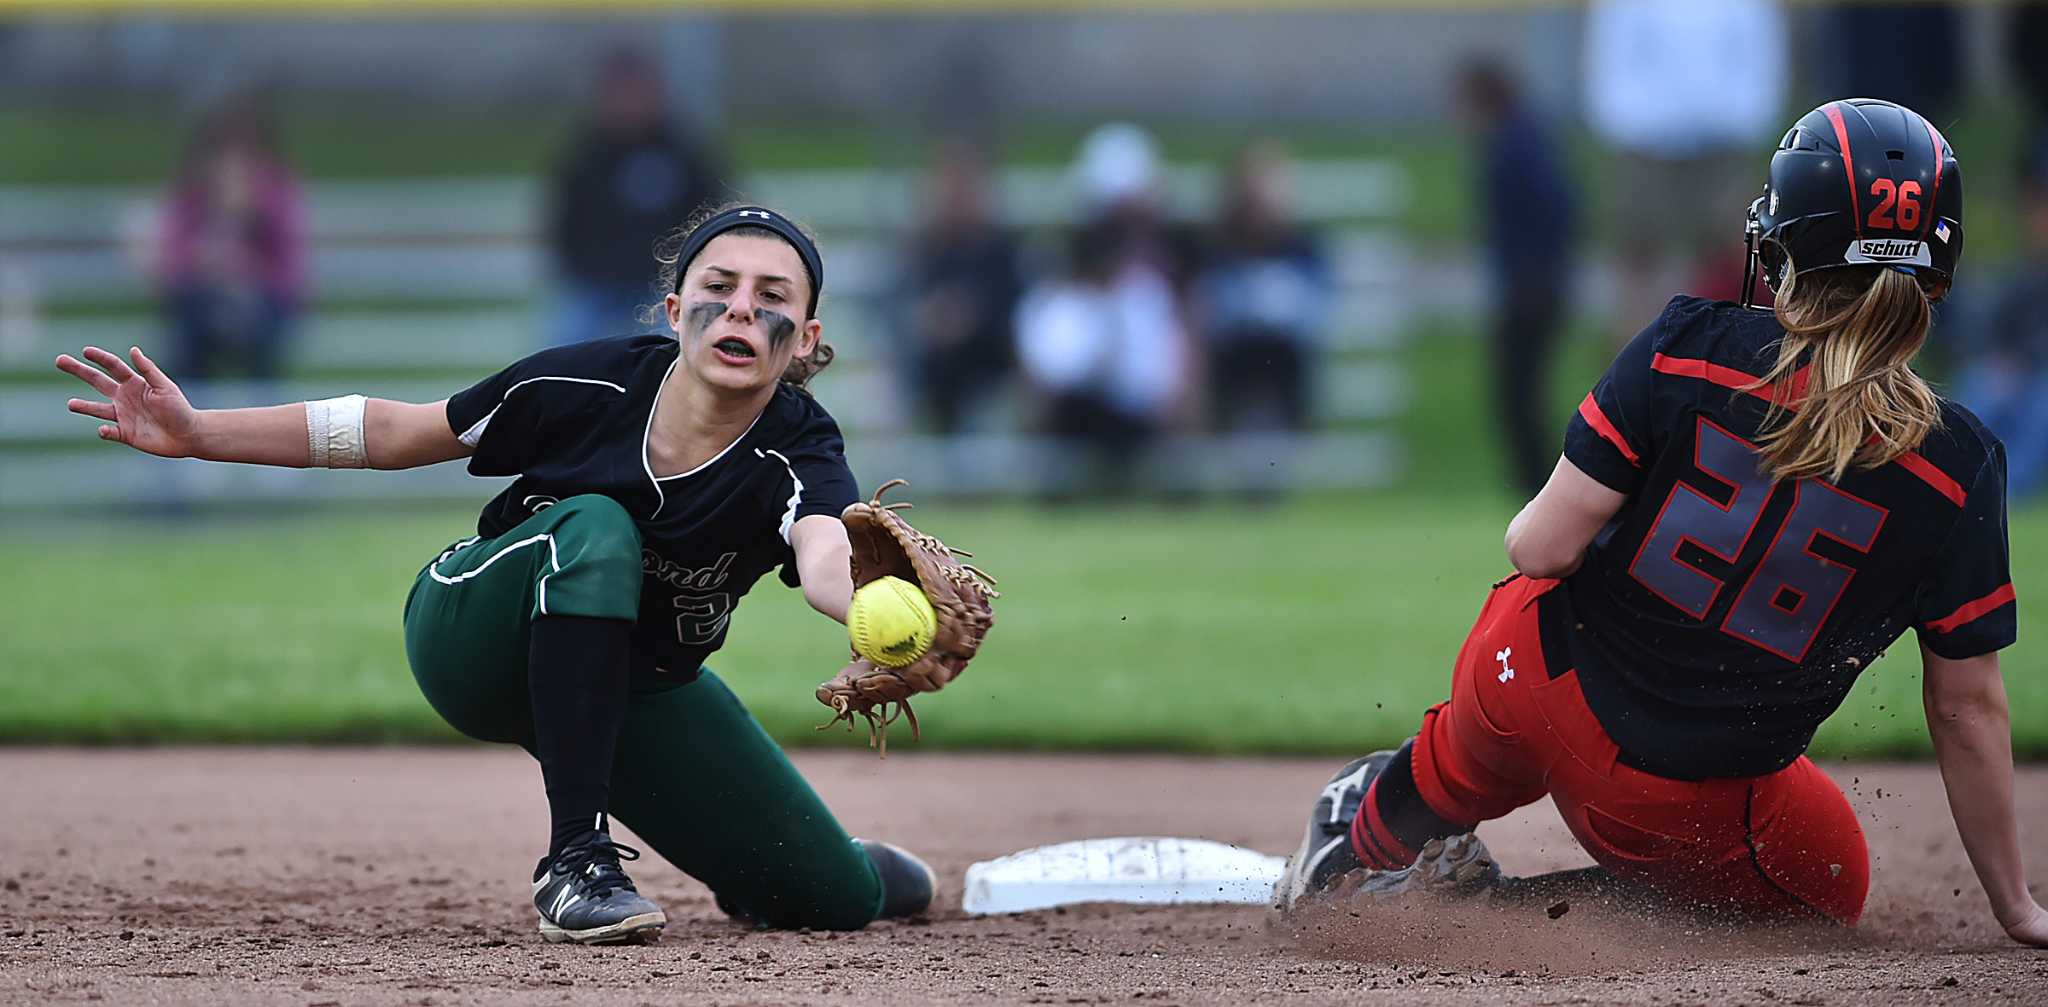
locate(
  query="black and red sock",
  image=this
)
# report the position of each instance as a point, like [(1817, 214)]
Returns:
[(1393, 821)]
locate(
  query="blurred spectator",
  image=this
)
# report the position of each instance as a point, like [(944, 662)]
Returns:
[(963, 286), (1104, 349), (230, 253), (629, 177), (2004, 377), (1929, 83), (1261, 300), (1118, 176), (1681, 92), (1104, 346), (1526, 209)]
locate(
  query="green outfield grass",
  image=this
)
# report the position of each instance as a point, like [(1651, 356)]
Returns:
[(1320, 626)]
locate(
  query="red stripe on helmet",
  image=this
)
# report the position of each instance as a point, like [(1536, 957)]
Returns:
[(1848, 161), (1934, 137)]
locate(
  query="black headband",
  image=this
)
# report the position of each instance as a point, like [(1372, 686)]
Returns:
[(754, 216)]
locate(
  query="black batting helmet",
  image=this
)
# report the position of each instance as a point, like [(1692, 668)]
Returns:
[(1860, 181)]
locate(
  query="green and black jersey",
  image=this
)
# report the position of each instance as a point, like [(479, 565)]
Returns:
[(574, 420)]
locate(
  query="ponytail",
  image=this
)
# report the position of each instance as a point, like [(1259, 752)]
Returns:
[(801, 370), (1854, 330)]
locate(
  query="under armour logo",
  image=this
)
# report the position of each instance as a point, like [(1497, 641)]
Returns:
[(1505, 671), (763, 214)]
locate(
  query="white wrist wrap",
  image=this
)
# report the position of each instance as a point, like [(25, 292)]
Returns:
[(334, 433)]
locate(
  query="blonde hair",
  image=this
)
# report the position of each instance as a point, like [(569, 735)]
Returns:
[(1854, 330)]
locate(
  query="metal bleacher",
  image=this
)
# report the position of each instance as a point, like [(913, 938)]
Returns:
[(435, 282)]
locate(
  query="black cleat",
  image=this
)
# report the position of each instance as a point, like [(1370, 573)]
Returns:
[(1325, 852), (908, 884), (583, 895)]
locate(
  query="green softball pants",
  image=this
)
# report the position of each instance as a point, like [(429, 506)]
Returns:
[(695, 777)]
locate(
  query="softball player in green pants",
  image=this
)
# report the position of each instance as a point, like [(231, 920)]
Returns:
[(659, 477)]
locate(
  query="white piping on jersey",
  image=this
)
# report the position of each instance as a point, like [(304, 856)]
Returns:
[(554, 561), (660, 498), (646, 433), (476, 431), (453, 549), (722, 453), (795, 495)]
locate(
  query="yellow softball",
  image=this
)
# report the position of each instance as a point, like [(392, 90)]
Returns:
[(890, 622)]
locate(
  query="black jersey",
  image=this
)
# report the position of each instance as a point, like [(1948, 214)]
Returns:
[(1720, 617), (575, 419)]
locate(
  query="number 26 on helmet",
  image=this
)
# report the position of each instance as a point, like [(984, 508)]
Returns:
[(1859, 182)]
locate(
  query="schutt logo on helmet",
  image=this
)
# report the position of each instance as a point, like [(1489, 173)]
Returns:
[(1857, 182), (1889, 250)]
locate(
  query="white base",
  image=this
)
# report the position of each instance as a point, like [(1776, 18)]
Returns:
[(1140, 869)]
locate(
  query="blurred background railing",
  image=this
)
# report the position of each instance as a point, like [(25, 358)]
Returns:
[(442, 273), (1345, 247)]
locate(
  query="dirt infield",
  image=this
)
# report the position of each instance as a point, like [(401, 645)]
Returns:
[(398, 876)]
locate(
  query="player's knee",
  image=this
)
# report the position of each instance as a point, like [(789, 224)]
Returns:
[(595, 512), (1848, 907), (596, 567), (604, 533)]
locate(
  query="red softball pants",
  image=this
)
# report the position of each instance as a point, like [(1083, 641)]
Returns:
[(1783, 845)]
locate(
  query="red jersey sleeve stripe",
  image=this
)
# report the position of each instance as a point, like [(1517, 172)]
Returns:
[(1589, 410), (1916, 463), (1972, 611)]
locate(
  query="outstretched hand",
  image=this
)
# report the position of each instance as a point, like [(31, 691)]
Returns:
[(144, 408)]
